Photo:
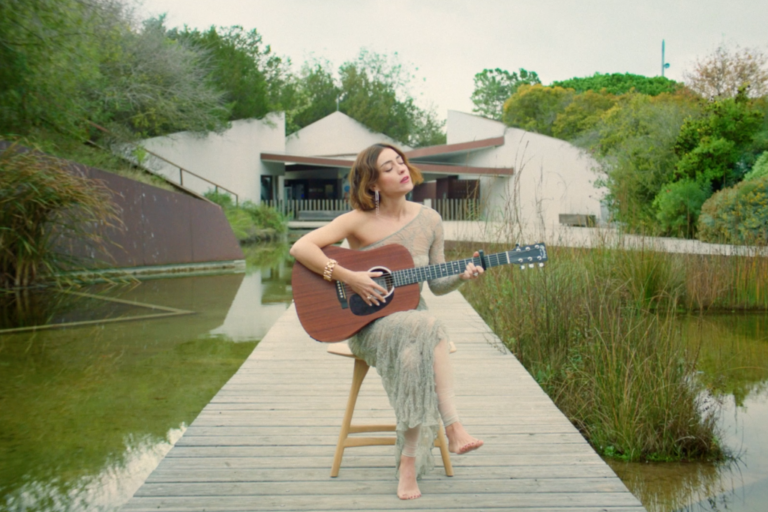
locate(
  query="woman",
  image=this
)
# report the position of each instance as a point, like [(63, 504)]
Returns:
[(409, 349)]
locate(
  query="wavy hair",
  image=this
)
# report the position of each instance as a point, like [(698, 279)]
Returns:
[(365, 172)]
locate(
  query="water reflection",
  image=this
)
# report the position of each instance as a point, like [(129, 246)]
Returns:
[(87, 412), (733, 363)]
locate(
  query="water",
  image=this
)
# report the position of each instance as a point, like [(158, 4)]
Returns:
[(88, 411), (734, 365)]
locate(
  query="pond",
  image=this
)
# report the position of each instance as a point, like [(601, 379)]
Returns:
[(88, 410), (733, 362)]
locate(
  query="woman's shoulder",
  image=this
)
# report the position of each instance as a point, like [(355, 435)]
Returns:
[(431, 215)]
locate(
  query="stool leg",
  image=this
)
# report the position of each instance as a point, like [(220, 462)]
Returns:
[(443, 444), (360, 371)]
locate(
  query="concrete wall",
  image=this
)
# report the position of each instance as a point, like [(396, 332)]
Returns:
[(334, 135), (552, 177), (231, 159)]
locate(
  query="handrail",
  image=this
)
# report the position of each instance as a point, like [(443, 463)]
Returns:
[(216, 186)]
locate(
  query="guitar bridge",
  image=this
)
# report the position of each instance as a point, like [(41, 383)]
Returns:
[(341, 294)]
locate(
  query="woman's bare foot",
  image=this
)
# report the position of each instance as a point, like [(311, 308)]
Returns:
[(407, 488), (459, 440)]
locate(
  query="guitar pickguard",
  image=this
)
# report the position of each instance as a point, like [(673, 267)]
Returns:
[(358, 306)]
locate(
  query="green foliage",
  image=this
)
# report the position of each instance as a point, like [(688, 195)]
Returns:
[(597, 330), (678, 206), (250, 222), (43, 204), (535, 107), (618, 83), (242, 66), (582, 114), (318, 93), (760, 168), (72, 61), (373, 90), (494, 86), (737, 215), (635, 143)]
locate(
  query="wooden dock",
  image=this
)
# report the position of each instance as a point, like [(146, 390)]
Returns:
[(266, 441)]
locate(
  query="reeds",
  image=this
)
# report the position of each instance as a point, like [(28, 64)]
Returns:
[(599, 330), (42, 205)]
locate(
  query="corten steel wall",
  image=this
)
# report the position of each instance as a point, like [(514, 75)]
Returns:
[(161, 227)]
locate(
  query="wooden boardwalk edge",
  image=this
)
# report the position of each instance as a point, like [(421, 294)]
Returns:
[(266, 440)]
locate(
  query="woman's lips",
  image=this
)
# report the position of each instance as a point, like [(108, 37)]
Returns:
[(405, 180)]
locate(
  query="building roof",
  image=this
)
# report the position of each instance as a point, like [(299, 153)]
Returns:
[(336, 139)]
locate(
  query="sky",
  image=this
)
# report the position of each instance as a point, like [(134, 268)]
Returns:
[(446, 42)]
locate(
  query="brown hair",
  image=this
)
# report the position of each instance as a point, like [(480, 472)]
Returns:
[(364, 173)]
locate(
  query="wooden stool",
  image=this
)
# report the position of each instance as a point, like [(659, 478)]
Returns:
[(359, 373)]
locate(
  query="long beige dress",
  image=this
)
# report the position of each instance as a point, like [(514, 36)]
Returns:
[(401, 346)]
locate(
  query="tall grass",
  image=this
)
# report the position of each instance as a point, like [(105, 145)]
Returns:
[(42, 205), (598, 330)]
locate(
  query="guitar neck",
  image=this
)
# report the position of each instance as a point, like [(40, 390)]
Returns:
[(529, 255)]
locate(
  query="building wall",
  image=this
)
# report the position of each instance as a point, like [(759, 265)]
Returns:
[(334, 135), (552, 177), (231, 159)]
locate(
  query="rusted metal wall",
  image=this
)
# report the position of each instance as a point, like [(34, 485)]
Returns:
[(160, 227)]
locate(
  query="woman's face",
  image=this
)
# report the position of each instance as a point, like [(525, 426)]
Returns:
[(394, 177)]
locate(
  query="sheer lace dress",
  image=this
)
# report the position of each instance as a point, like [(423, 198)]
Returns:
[(401, 346)]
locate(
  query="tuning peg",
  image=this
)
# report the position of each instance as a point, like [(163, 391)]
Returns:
[(531, 265), (541, 265), (517, 247), (522, 267)]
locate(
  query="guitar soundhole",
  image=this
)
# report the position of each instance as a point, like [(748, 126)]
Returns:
[(358, 306)]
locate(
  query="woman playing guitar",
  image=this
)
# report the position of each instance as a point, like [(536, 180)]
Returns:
[(409, 349)]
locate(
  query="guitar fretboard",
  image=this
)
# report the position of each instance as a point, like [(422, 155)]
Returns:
[(523, 256)]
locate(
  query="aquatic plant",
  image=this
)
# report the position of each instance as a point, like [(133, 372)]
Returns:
[(597, 330), (46, 203)]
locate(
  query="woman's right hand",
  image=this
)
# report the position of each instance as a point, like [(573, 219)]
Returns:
[(362, 283)]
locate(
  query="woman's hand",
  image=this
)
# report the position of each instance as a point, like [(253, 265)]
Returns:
[(362, 283), (472, 271)]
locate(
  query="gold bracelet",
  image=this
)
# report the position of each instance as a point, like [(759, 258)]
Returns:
[(328, 272)]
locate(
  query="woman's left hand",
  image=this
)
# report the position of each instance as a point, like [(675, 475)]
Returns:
[(472, 271)]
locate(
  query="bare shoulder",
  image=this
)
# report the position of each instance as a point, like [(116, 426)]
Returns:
[(432, 215)]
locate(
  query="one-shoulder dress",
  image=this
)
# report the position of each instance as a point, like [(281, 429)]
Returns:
[(401, 346)]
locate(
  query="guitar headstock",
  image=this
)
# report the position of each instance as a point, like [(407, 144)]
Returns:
[(528, 256)]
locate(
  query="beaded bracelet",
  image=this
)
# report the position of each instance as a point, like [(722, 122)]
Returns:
[(328, 272)]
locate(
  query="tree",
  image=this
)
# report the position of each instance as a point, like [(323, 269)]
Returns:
[(372, 89), (535, 107), (240, 65), (710, 146), (723, 73), (155, 85), (582, 114), (635, 145), (494, 86), (618, 83)]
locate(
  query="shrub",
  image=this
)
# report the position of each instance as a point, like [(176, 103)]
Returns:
[(760, 168), (678, 206), (249, 221), (737, 215), (41, 204)]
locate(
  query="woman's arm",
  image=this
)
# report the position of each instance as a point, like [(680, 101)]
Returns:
[(443, 285), (307, 251)]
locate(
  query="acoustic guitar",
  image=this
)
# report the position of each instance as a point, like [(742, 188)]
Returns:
[(331, 311)]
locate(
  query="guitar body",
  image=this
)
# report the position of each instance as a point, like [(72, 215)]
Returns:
[(327, 317)]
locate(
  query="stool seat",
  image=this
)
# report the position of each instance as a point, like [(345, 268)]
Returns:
[(358, 375)]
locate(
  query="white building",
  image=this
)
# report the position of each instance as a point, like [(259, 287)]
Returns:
[(520, 177)]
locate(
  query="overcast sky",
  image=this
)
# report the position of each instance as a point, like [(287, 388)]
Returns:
[(448, 41)]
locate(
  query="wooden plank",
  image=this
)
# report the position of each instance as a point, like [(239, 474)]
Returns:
[(266, 440)]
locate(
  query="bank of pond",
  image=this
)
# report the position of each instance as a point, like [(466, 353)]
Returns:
[(664, 376)]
